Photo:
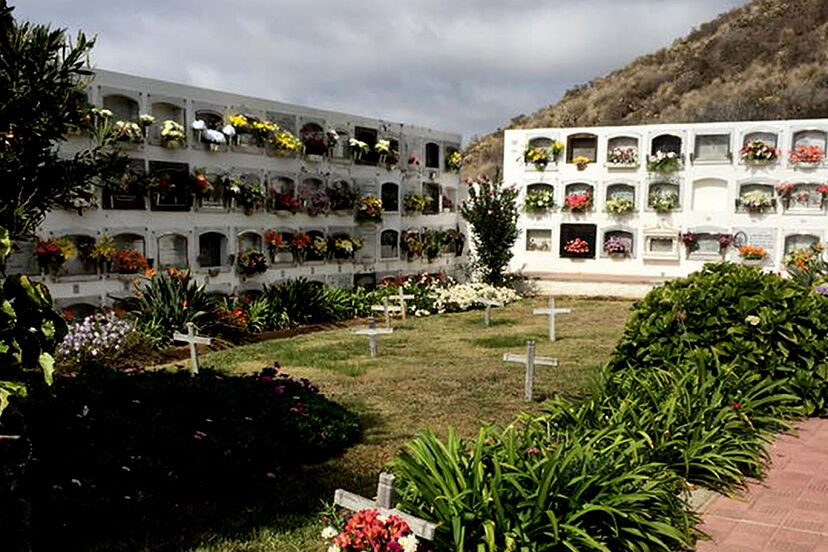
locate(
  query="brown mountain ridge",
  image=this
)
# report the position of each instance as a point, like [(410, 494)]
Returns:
[(765, 60)]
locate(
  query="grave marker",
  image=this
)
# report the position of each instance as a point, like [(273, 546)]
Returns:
[(193, 339), (551, 312), (401, 297), (386, 309), (384, 504), (373, 332), (530, 360), (489, 304)]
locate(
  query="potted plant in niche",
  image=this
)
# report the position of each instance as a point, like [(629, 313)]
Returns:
[(415, 203), (50, 256), (664, 162), (275, 243), (663, 201), (581, 161), (617, 247), (343, 248), (756, 201), (752, 255), (806, 156), (622, 156), (299, 244), (248, 195), (541, 156), (578, 202), (369, 210), (103, 253), (757, 152), (173, 135), (539, 200), (577, 247), (620, 206), (252, 262)]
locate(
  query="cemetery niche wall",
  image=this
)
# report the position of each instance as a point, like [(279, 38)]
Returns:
[(204, 195), (656, 201)]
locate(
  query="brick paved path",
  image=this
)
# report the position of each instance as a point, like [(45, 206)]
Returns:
[(788, 512)]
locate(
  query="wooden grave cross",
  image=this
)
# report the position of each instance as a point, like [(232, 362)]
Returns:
[(387, 310), (373, 332), (530, 360), (402, 297), (193, 339), (489, 304), (551, 312), (384, 504)]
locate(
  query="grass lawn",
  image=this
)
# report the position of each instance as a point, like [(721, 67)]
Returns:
[(432, 372)]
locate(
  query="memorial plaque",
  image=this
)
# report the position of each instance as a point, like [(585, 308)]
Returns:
[(757, 237), (712, 147), (621, 191), (662, 245)]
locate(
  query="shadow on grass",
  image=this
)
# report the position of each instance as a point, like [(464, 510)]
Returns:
[(500, 341)]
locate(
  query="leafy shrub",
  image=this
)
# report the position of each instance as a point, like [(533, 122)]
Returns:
[(166, 303), (101, 336), (107, 440)]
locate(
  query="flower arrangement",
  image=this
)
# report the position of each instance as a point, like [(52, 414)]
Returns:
[(130, 131), (454, 161), (344, 247), (284, 142), (448, 203), (50, 256), (316, 203), (367, 531), (412, 243), (173, 135), (454, 237), (751, 253), (623, 156), (577, 246), (758, 152), (581, 161), (785, 189), (578, 202), (342, 197), (284, 202), (803, 257), (620, 206), (453, 297), (369, 210), (387, 155), (97, 337), (249, 125), (210, 136), (358, 148), (756, 201), (416, 203), (616, 245), (331, 139), (664, 162), (689, 239), (200, 186), (275, 243), (663, 201), (540, 156), (413, 159), (130, 261), (103, 252), (806, 155), (252, 262), (318, 248), (299, 244), (724, 241), (539, 200), (249, 196)]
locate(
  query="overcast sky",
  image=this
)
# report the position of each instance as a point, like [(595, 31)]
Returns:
[(460, 66)]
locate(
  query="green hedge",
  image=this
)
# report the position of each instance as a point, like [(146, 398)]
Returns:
[(709, 369)]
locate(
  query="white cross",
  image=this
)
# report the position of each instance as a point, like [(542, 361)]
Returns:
[(384, 504), (191, 338), (551, 312), (387, 310), (372, 332), (489, 304), (530, 360), (401, 297)]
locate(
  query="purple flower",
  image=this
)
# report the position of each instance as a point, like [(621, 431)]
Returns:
[(270, 475), (533, 450), (279, 389)]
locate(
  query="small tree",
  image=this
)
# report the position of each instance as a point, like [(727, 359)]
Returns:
[(491, 210)]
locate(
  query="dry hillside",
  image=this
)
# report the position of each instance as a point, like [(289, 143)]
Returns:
[(765, 60)]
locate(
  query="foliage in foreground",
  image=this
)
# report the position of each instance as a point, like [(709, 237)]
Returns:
[(709, 369), (110, 441)]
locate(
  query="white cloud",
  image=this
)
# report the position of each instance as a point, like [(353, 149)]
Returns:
[(468, 67)]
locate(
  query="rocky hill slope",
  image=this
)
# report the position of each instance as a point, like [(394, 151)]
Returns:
[(765, 60)]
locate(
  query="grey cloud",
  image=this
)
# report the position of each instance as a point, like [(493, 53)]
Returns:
[(463, 66)]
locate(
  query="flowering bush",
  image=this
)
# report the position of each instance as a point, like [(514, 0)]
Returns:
[(416, 203), (369, 210), (316, 203), (751, 253), (616, 245), (130, 261), (539, 200), (806, 154), (284, 202), (620, 206), (663, 201), (756, 201), (97, 337), (578, 202), (577, 246), (664, 162), (252, 262), (491, 210), (757, 151), (367, 531), (625, 155), (173, 134), (461, 297)]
